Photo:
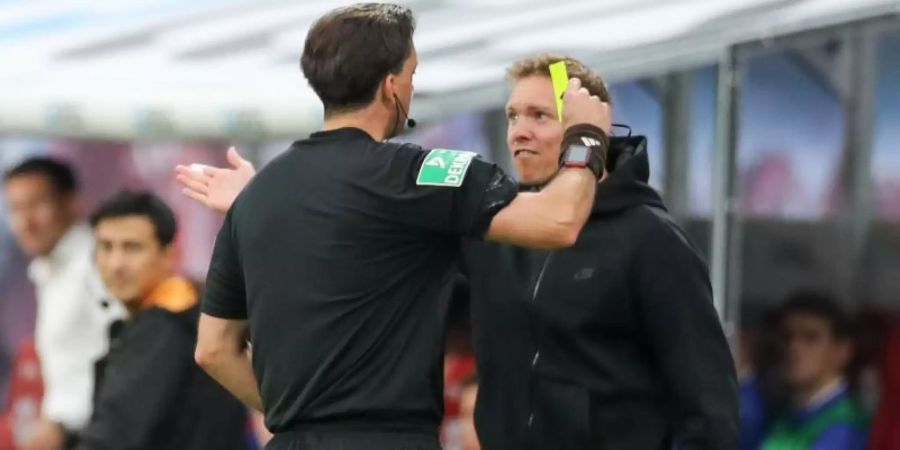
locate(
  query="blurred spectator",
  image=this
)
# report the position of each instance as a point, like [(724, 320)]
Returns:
[(467, 414), (754, 411), (459, 364), (771, 187), (886, 425), (874, 325), (258, 434), (151, 395), (817, 349), (73, 317), (22, 408), (4, 365)]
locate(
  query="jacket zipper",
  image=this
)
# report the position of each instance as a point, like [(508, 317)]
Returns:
[(537, 284), (537, 331)]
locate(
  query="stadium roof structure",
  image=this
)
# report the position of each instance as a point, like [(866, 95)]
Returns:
[(133, 69)]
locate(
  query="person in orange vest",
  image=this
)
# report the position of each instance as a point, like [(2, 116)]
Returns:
[(151, 395)]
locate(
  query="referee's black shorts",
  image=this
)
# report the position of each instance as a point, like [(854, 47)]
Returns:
[(335, 440)]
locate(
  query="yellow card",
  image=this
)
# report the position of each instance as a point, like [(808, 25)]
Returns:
[(559, 76)]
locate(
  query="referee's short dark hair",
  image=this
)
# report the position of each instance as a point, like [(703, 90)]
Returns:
[(350, 50), (59, 174), (130, 203)]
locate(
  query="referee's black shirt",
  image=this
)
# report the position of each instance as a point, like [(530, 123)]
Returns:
[(341, 262)]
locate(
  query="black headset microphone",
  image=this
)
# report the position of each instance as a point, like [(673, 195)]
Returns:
[(410, 122)]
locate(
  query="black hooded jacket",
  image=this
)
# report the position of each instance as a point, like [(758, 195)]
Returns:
[(611, 344)]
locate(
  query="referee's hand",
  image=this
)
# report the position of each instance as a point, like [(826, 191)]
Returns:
[(582, 107), (214, 187)]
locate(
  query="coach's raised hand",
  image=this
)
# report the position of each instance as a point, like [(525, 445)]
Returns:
[(580, 107)]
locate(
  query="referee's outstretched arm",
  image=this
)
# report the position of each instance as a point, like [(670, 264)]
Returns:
[(551, 218)]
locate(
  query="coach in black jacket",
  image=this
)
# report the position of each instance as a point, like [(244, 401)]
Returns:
[(611, 344)]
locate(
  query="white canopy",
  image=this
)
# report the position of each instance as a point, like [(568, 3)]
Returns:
[(137, 69)]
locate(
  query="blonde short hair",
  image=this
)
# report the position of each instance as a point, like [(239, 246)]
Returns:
[(540, 65)]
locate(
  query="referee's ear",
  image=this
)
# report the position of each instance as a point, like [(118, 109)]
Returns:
[(387, 90)]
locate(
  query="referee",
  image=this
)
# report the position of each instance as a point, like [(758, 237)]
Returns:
[(337, 257)]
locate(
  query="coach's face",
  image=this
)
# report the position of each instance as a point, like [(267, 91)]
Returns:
[(534, 133)]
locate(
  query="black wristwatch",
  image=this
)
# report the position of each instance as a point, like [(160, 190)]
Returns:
[(580, 156), (585, 146)]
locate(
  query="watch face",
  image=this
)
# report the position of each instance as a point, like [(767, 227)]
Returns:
[(578, 153)]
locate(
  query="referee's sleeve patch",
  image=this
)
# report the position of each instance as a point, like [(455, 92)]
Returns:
[(443, 167)]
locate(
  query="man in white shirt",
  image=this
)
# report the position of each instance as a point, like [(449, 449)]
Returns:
[(73, 312)]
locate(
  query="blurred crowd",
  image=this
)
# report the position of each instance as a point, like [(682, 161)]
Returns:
[(816, 374), (111, 362)]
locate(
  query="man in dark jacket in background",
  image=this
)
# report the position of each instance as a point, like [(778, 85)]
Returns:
[(150, 394), (611, 344)]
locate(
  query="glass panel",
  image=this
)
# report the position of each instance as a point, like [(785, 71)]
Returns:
[(635, 106)]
